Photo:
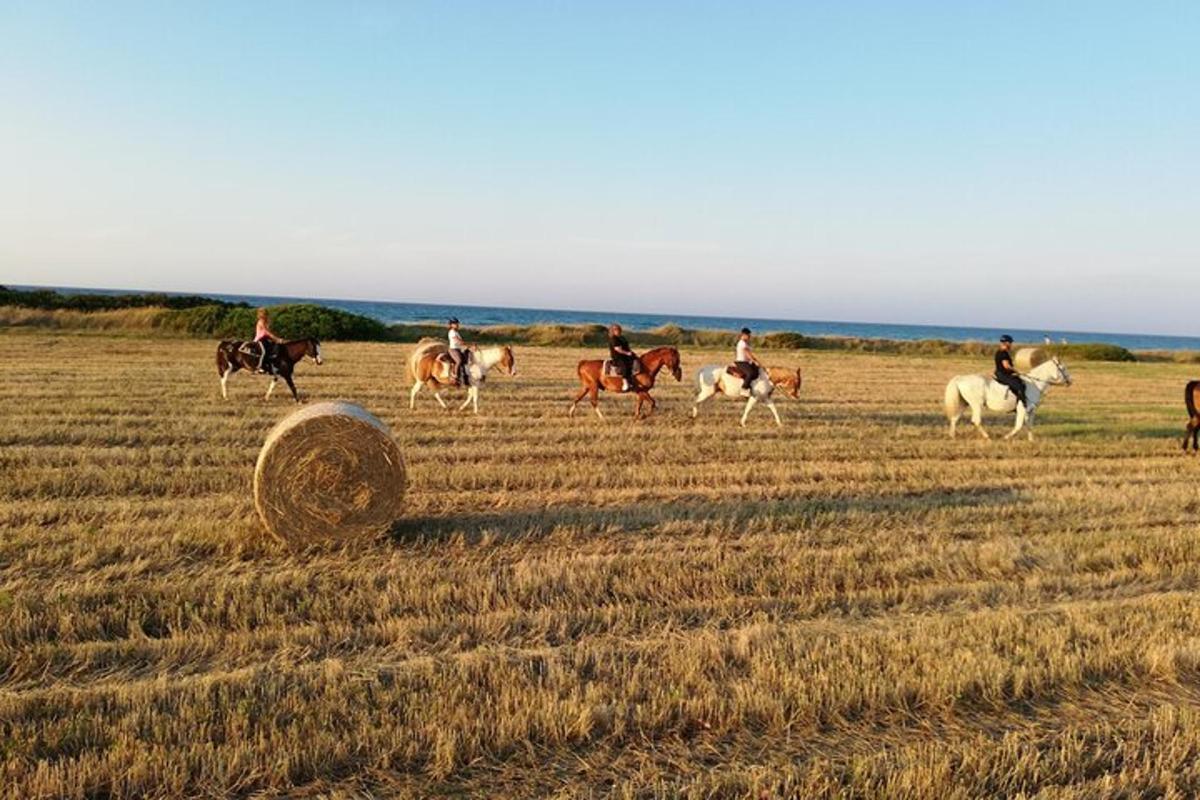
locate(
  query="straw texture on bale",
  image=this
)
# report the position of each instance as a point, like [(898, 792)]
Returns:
[(1027, 358), (329, 472)]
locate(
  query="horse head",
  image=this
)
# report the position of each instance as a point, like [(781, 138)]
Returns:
[(791, 382), (1063, 376), (312, 349), (671, 361), (507, 361)]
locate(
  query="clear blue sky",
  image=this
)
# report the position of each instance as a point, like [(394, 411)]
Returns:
[(1014, 164)]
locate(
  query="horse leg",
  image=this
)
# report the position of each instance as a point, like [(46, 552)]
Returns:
[(412, 395), (645, 397), (1018, 423), (977, 421), (595, 392), (1029, 425), (224, 379), (271, 386), (466, 401), (295, 395), (705, 393), (771, 405), (749, 405), (1195, 434), (575, 402)]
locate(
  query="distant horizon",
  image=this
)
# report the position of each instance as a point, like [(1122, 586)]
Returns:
[(616, 314), (1012, 166)]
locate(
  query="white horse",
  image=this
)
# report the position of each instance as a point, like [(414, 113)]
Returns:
[(426, 368), (980, 391), (713, 379)]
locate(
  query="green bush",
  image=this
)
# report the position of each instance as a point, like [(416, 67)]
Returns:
[(50, 300), (296, 321)]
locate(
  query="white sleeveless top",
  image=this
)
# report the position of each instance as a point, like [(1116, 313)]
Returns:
[(456, 340), (743, 351)]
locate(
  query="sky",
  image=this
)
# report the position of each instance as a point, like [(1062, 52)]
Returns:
[(1032, 165)]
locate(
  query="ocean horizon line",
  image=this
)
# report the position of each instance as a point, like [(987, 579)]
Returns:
[(418, 312)]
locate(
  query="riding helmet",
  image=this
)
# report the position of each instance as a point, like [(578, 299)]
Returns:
[(452, 321), (1006, 339), (746, 331)]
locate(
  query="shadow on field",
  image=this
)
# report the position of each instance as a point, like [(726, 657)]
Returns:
[(719, 516)]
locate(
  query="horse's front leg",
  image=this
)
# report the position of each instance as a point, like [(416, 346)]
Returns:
[(291, 385), (645, 397), (749, 405), (1018, 423), (771, 405), (705, 393)]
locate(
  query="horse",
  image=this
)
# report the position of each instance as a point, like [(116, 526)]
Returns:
[(234, 355), (592, 380), (430, 365), (713, 378), (1191, 394), (979, 391)]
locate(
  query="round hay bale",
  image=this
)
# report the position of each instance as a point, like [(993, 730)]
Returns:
[(1027, 358), (329, 472)]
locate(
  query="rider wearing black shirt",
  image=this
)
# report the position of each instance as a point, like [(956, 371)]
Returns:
[(621, 354), (1005, 373)]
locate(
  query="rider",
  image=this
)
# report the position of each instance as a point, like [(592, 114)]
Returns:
[(1006, 374), (265, 338), (746, 362), (621, 354), (458, 352)]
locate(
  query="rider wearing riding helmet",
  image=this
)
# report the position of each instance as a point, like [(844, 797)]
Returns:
[(1006, 373), (746, 362), (458, 352), (265, 337), (622, 355)]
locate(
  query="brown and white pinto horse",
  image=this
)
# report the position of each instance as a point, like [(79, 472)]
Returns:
[(430, 365), (233, 356), (592, 380), (716, 379)]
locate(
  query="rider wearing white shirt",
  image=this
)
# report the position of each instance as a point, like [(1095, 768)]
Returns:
[(458, 352), (746, 362)]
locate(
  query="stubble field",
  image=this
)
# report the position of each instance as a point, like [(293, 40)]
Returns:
[(851, 606)]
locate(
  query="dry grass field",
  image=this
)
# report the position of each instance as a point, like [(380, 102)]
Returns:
[(851, 606)]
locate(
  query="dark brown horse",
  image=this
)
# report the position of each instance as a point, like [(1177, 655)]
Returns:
[(1191, 398), (592, 380), (234, 356)]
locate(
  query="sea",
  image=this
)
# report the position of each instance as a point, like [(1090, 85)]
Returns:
[(394, 312)]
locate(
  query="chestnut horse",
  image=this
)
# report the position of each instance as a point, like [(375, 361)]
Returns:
[(234, 355), (592, 380), (1191, 398)]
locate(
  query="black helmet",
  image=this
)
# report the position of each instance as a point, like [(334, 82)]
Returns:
[(746, 331), (452, 321), (1006, 339)]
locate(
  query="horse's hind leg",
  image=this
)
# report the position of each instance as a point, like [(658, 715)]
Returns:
[(595, 397), (412, 395), (224, 380), (271, 387), (582, 393), (977, 421)]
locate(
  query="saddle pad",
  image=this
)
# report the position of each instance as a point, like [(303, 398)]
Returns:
[(611, 370)]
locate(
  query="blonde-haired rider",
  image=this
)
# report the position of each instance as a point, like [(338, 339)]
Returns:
[(265, 338)]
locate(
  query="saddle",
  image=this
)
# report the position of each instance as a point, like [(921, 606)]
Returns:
[(611, 370), (448, 364), (257, 351)]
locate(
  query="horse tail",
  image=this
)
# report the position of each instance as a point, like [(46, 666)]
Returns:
[(1189, 397), (953, 399)]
